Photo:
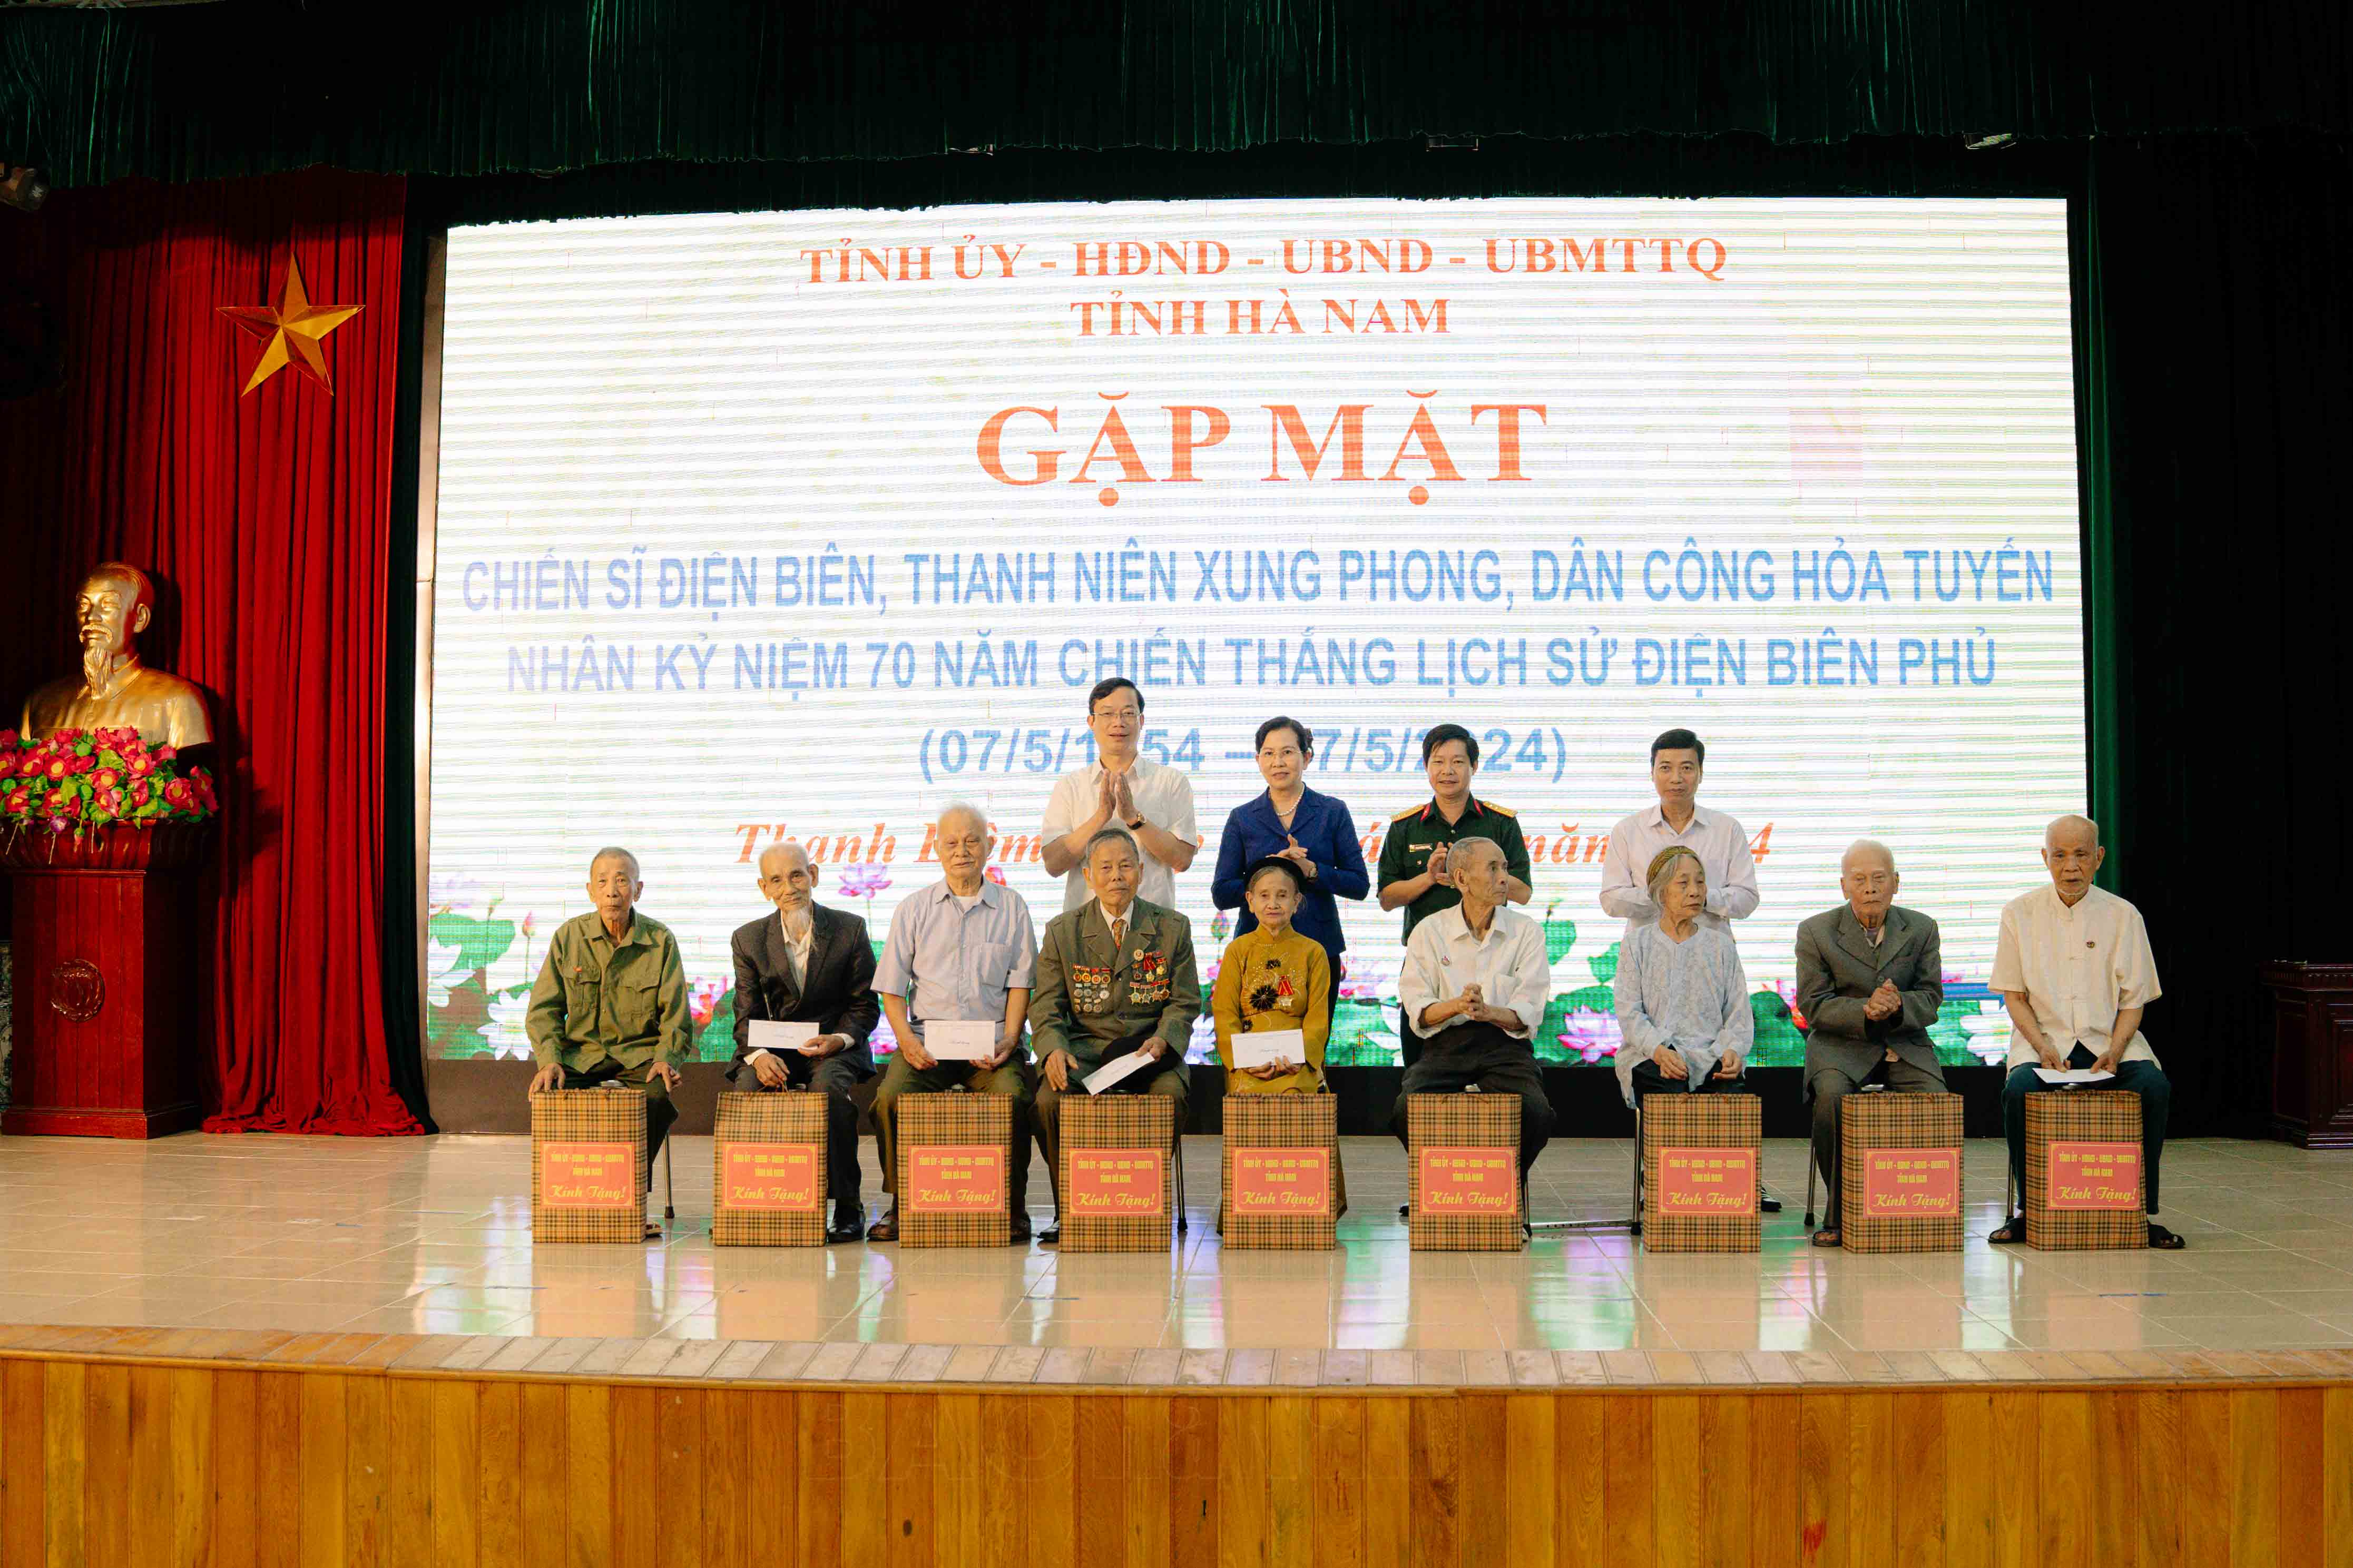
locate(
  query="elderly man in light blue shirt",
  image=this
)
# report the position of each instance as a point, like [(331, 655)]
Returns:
[(962, 951)]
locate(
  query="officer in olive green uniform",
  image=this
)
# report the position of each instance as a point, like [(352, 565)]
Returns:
[(610, 1008), (1114, 975), (1449, 754)]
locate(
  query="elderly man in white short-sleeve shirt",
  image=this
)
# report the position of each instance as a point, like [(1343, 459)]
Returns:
[(2073, 967), (1153, 802), (1476, 984)]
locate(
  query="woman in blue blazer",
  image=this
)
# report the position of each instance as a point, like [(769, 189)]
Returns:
[(1292, 820)]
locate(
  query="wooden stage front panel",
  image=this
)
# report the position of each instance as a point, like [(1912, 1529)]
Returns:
[(114, 1461)]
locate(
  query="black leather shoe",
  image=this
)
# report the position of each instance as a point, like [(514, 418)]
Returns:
[(849, 1224), (1051, 1236), (1769, 1205), (1021, 1230)]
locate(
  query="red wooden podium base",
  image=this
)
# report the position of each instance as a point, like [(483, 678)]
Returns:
[(105, 932)]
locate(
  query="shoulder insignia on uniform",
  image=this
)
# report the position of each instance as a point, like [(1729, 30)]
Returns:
[(1409, 811), (1498, 810)]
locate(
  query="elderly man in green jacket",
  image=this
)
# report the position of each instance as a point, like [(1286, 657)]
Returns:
[(1114, 975), (610, 1003)]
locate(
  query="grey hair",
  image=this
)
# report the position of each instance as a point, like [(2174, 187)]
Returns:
[(1662, 871), (1455, 853), (615, 852), (2073, 820), (1867, 846), (962, 808), (1111, 835), (780, 847)]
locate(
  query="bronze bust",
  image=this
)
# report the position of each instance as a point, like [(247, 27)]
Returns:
[(115, 690)]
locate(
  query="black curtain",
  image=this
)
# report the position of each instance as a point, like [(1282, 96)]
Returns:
[(251, 85), (2214, 380)]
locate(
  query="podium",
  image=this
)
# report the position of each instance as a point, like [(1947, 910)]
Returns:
[(2312, 1053), (104, 966)]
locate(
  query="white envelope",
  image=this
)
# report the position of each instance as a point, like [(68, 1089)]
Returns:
[(2073, 1075), (767, 1035), (1118, 1068), (960, 1040), (1261, 1047)]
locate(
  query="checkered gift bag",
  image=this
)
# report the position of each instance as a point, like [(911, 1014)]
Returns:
[(2083, 1174), (1278, 1134), (1696, 1148), (1470, 1142), (1899, 1173), (946, 1143), (767, 1170), (1111, 1200), (588, 1165)]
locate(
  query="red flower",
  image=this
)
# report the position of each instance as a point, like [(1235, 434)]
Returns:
[(176, 792), (84, 765), (165, 753), (140, 767), (8, 737), (59, 767), (107, 779), (139, 793)]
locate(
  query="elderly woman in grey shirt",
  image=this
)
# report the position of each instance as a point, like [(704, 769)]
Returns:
[(1682, 999)]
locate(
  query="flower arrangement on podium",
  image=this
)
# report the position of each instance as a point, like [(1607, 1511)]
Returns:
[(98, 797)]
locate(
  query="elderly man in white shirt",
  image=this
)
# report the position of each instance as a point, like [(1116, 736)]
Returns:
[(1121, 789), (2073, 967), (1475, 982), (1678, 760)]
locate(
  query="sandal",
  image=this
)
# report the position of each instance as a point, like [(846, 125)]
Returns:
[(2164, 1240), (1826, 1236), (2011, 1234)]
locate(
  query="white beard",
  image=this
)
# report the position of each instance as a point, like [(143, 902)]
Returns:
[(796, 921)]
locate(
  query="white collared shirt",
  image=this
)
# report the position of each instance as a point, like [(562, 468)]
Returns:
[(1508, 966), (1163, 796), (2079, 968), (1721, 845), (796, 948), (1127, 914), (796, 959)]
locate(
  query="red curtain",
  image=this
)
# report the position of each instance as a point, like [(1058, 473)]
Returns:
[(265, 521)]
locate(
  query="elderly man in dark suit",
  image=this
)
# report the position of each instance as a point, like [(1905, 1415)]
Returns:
[(1870, 980), (810, 964)]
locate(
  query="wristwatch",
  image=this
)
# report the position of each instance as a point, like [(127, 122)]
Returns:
[(1134, 824)]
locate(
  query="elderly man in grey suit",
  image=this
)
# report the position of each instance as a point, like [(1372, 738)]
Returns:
[(1870, 980)]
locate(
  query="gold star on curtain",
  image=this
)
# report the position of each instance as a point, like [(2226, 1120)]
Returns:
[(294, 328)]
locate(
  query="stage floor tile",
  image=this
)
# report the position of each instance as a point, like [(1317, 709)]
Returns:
[(352, 1249)]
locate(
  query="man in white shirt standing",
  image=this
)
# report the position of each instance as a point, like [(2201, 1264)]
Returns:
[(2074, 969), (1121, 789), (1678, 760), (1476, 984)]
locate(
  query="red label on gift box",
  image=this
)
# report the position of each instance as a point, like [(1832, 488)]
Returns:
[(1282, 1181), (770, 1177), (2093, 1176), (1456, 1180), (588, 1175), (1911, 1184), (955, 1178), (1720, 1182), (1110, 1183)]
